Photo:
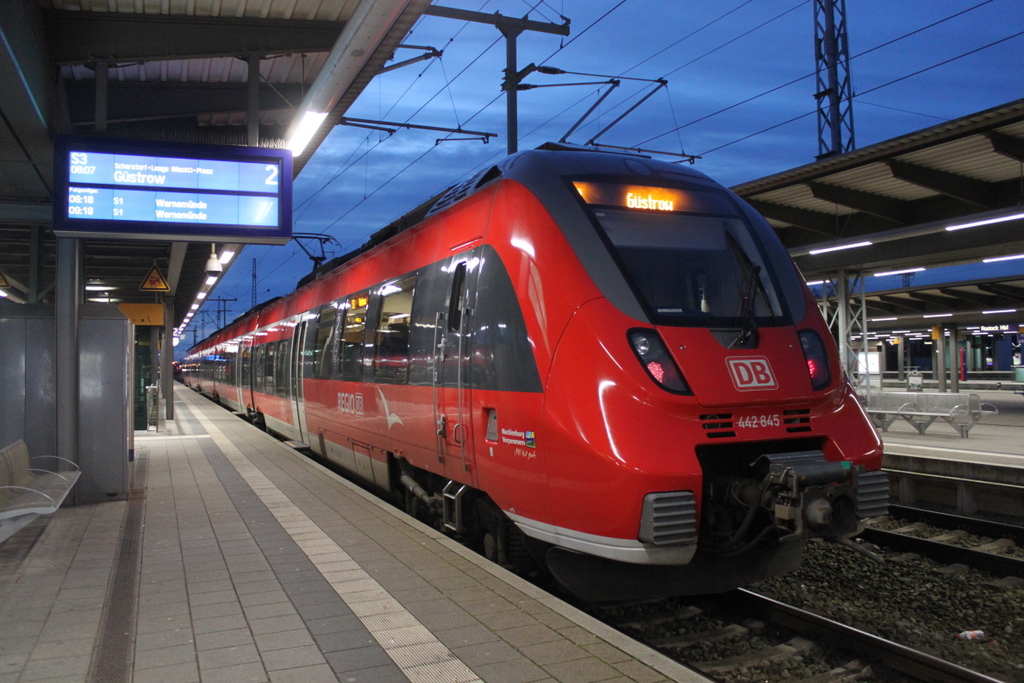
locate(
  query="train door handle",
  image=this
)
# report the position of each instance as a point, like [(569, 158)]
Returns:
[(457, 433), (442, 425)]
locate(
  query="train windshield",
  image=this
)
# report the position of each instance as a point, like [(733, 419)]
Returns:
[(689, 254)]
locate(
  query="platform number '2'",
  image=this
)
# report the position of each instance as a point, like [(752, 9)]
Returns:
[(272, 178)]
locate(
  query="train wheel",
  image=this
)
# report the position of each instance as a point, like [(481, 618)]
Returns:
[(491, 548)]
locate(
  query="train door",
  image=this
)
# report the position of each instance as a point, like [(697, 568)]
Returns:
[(451, 377), (296, 365)]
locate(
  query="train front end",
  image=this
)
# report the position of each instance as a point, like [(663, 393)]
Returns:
[(697, 423)]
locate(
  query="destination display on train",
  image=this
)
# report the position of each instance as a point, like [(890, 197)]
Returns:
[(657, 199), (158, 191)]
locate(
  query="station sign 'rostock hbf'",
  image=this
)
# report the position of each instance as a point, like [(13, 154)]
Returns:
[(130, 189)]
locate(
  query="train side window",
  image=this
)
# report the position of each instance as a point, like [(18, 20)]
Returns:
[(268, 375), (391, 360), (350, 342), (456, 298), (283, 353), (322, 349), (257, 362), (229, 368), (244, 379)]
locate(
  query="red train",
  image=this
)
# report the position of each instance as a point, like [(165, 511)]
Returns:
[(602, 362)]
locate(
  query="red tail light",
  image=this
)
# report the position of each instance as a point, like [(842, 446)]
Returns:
[(817, 359), (648, 347)]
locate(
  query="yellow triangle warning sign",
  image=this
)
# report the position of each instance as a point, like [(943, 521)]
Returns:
[(154, 282), (3, 281)]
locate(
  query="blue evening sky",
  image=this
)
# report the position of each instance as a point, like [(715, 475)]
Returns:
[(740, 95)]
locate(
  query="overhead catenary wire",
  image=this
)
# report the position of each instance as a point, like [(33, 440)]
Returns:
[(634, 95), (425, 153), (812, 74), (870, 90), (447, 86), (676, 127)]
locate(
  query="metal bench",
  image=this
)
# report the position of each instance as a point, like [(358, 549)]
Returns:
[(960, 411), (27, 491)]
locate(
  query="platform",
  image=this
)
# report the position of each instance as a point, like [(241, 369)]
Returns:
[(982, 475), (237, 559)]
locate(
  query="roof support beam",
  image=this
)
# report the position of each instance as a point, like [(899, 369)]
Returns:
[(83, 37), (900, 302), (982, 299), (942, 301), (1011, 291), (157, 100), (1007, 145), (26, 213), (961, 187), (879, 306), (831, 226), (889, 209), (814, 221)]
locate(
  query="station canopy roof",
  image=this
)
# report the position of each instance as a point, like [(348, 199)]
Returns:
[(177, 71), (898, 199)]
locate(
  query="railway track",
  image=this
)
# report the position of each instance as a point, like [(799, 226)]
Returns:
[(945, 520), (842, 617), (987, 546), (774, 641)]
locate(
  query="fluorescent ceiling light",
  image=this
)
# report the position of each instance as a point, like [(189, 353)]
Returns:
[(201, 295), (212, 280), (304, 133), (195, 306), (1005, 310), (99, 288), (814, 252), (1002, 258), (939, 315), (987, 221), (227, 256), (881, 320), (816, 282), (3, 294), (899, 272)]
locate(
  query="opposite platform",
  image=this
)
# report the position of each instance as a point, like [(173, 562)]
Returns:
[(244, 561)]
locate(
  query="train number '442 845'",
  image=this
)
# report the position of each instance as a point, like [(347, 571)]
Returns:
[(755, 421)]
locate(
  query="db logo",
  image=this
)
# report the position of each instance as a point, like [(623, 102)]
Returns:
[(751, 373)]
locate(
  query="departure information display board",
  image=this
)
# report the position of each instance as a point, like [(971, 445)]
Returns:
[(142, 190)]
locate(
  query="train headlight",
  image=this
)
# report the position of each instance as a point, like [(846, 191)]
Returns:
[(817, 359), (657, 362)]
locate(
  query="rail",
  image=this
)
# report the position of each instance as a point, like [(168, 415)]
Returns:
[(917, 665), (26, 492), (921, 409)]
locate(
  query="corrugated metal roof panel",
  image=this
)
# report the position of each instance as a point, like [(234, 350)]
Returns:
[(323, 10), (800, 197), (971, 157), (877, 179)]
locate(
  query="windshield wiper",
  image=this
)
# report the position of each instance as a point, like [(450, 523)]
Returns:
[(748, 325)]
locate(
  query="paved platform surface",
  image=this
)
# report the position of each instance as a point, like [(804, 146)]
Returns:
[(236, 559)]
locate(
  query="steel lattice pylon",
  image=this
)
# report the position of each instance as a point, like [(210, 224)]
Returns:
[(849, 323), (834, 92)]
